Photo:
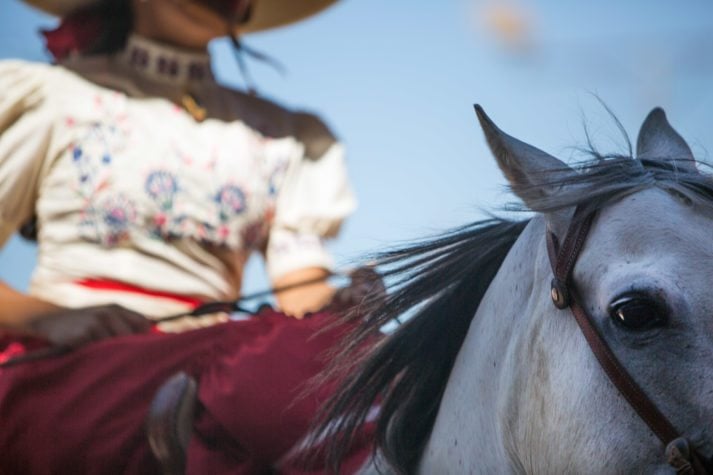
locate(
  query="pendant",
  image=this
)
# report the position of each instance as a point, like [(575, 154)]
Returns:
[(191, 106)]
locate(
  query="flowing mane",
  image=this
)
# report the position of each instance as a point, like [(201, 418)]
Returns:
[(440, 283)]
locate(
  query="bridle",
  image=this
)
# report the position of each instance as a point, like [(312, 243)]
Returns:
[(679, 452)]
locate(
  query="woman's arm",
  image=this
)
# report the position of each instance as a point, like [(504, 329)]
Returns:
[(366, 290), (17, 310), (69, 327), (304, 299)]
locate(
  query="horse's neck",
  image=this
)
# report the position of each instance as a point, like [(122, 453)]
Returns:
[(471, 433)]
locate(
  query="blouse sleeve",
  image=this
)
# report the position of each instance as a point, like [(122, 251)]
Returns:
[(313, 201), (24, 140)]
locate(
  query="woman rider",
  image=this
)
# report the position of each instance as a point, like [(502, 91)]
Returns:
[(150, 186)]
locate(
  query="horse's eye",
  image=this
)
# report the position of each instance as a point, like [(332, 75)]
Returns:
[(638, 312)]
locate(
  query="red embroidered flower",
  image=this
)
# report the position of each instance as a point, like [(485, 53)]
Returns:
[(160, 220)]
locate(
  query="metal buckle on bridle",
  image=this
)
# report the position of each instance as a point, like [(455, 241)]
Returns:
[(559, 293), (678, 456)]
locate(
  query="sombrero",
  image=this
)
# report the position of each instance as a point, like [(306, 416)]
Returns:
[(265, 14)]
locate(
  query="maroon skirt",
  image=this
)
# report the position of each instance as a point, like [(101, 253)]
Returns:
[(85, 412)]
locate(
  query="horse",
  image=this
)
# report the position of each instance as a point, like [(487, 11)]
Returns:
[(578, 340)]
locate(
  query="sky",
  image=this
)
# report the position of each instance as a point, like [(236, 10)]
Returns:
[(397, 80)]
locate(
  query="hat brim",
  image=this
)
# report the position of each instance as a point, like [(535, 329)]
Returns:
[(268, 14), (59, 8), (265, 14)]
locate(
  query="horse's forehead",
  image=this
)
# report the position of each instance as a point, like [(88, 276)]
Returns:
[(653, 221), (655, 212)]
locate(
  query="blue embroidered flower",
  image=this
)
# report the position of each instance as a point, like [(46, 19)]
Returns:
[(230, 200), (162, 187), (118, 214), (116, 218), (109, 221)]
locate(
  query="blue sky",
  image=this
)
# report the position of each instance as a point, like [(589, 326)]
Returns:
[(396, 80)]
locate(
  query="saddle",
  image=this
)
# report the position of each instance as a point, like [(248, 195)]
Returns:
[(169, 423)]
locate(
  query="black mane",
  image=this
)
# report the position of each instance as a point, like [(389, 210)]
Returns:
[(444, 280)]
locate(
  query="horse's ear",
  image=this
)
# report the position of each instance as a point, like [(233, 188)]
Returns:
[(659, 141), (532, 173)]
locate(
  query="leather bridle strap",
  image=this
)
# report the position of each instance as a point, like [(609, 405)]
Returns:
[(564, 294)]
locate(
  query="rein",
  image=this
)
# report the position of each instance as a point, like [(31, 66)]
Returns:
[(231, 306), (228, 306), (679, 452)]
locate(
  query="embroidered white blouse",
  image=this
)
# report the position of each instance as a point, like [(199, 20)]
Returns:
[(128, 187)]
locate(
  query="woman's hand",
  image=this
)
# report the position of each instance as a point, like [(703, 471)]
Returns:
[(301, 299), (75, 327), (365, 292)]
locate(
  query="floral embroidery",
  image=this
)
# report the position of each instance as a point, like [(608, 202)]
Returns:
[(110, 212), (230, 200), (103, 220), (109, 221), (164, 190), (162, 187)]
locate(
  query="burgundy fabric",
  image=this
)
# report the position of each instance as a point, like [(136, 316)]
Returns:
[(13, 345), (84, 412)]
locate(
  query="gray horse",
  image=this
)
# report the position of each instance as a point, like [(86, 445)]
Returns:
[(489, 376)]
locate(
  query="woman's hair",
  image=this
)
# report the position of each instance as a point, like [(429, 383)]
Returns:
[(103, 28), (100, 28), (116, 24)]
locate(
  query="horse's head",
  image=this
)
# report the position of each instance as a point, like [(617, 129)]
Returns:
[(491, 373), (644, 278)]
